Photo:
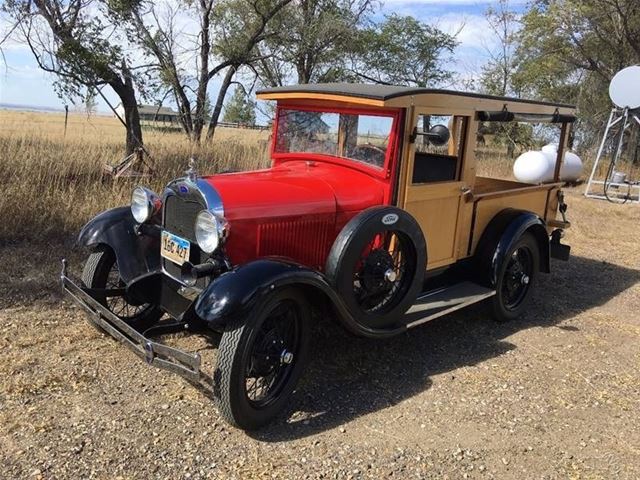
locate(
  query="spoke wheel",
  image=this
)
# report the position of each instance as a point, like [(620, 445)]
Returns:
[(101, 272), (119, 305), (379, 279), (516, 279), (275, 348), (260, 358), (377, 265)]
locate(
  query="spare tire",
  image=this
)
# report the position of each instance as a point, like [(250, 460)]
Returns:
[(377, 265)]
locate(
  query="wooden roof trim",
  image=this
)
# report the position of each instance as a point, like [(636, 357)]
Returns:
[(321, 96)]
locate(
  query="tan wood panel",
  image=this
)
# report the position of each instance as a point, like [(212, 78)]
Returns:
[(468, 178), (530, 200), (487, 185), (436, 207), (552, 207)]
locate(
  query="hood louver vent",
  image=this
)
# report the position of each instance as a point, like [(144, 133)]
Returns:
[(305, 241)]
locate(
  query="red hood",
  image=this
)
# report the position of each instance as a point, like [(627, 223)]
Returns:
[(294, 209), (296, 188)]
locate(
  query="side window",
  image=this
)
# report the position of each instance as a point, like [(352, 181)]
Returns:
[(438, 148)]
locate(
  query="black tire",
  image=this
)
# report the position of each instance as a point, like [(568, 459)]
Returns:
[(346, 266), (255, 348), (101, 271), (516, 279)]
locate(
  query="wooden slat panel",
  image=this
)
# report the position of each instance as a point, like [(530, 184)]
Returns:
[(532, 201)]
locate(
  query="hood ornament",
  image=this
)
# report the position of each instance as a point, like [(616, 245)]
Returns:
[(192, 173)]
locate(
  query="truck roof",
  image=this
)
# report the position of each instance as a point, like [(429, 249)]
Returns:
[(397, 96)]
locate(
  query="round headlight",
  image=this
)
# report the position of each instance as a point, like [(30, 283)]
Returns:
[(144, 204), (211, 230)]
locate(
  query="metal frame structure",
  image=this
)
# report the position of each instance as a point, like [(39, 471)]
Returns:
[(624, 118)]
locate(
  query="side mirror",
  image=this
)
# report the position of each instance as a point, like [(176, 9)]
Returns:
[(438, 135)]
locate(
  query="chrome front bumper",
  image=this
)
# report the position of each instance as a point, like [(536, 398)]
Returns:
[(183, 363)]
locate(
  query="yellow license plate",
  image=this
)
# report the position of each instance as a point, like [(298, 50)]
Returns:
[(174, 248)]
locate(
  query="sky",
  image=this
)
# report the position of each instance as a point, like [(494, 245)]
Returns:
[(22, 82)]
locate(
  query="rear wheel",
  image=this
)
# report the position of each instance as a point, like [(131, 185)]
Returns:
[(261, 359), (516, 279), (101, 272)]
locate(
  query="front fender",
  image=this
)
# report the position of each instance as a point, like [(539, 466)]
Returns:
[(234, 294), (136, 254), (501, 233)]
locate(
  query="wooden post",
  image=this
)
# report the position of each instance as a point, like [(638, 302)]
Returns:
[(66, 118), (562, 146), (347, 134)]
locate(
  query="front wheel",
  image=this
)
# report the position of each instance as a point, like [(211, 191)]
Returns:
[(516, 279), (101, 272), (261, 358)]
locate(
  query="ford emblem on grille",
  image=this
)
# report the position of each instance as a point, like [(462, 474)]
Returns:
[(183, 189)]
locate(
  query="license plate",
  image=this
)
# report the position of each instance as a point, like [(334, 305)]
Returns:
[(174, 248)]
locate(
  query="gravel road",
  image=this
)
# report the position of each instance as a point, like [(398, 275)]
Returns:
[(553, 395)]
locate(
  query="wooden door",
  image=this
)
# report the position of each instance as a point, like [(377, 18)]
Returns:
[(434, 186)]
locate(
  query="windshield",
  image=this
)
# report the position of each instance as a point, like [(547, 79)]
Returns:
[(359, 137)]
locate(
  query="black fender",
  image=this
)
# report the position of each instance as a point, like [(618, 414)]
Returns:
[(234, 294), (499, 236), (135, 252)]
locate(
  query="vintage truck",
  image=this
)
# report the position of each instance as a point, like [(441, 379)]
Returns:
[(371, 214)]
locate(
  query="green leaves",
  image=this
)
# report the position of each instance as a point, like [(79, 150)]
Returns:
[(240, 109), (403, 51)]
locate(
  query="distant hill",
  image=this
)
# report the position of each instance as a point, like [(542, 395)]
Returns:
[(39, 108)]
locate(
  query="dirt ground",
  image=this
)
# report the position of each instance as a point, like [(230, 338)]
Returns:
[(553, 395)]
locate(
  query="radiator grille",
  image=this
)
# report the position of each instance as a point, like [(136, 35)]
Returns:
[(179, 219), (305, 241), (180, 216)]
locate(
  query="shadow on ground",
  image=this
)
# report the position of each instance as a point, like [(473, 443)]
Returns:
[(350, 377)]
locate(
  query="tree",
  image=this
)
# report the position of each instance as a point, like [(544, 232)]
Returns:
[(570, 49), (241, 26), (402, 51), (310, 40), (227, 35), (70, 39), (240, 109), (498, 75), (90, 103)]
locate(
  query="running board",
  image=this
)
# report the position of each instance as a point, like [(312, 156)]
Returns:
[(445, 300)]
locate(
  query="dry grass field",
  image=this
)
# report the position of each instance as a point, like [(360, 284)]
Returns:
[(555, 394), (53, 182)]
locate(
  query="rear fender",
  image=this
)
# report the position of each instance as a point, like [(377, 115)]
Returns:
[(234, 294), (136, 254), (500, 235)]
